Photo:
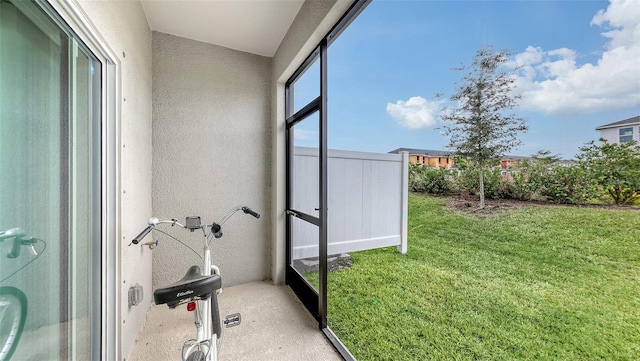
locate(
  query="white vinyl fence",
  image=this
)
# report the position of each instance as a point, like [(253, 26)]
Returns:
[(367, 195)]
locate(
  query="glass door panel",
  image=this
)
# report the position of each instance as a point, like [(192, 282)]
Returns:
[(303, 201), (307, 87), (303, 272), (84, 203), (49, 189), (32, 200), (304, 166), (304, 253)]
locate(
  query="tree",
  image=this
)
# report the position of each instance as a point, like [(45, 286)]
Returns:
[(478, 128), (614, 167), (539, 163), (545, 159)]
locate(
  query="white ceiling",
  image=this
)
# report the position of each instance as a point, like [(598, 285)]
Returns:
[(254, 26)]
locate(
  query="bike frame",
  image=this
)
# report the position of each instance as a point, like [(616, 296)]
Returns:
[(202, 314), (206, 340)]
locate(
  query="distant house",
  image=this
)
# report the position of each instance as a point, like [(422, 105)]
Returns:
[(444, 159), (428, 157), (566, 162), (509, 162), (621, 131)]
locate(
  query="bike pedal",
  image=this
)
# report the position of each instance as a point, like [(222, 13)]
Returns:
[(232, 320)]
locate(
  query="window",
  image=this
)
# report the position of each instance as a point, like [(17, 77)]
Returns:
[(626, 135), (50, 187)]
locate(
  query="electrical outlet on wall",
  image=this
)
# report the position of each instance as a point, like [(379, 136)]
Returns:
[(135, 295)]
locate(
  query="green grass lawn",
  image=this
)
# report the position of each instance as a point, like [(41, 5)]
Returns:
[(539, 282)]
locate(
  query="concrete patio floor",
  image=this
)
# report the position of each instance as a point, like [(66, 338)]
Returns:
[(275, 326)]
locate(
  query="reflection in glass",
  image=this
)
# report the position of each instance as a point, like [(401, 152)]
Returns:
[(49, 188)]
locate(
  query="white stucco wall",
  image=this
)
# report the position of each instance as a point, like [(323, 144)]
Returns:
[(124, 27), (211, 140), (612, 135)]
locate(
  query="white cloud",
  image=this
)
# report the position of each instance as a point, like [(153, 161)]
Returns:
[(551, 81), (304, 135), (624, 17), (415, 113)]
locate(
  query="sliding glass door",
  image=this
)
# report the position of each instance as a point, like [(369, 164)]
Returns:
[(50, 171)]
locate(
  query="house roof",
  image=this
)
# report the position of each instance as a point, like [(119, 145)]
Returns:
[(444, 153), (429, 152), (514, 157), (631, 121)]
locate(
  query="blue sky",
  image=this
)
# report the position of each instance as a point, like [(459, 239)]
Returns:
[(580, 59)]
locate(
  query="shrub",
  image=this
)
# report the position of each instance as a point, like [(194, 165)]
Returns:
[(468, 181), (603, 173), (428, 180), (493, 183), (518, 187), (415, 178), (566, 185), (614, 167)]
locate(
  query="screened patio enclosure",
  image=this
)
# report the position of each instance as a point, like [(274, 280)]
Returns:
[(337, 201), (107, 118)]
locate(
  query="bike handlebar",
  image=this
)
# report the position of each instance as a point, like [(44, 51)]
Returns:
[(142, 234), (11, 233), (248, 210), (20, 238), (215, 227)]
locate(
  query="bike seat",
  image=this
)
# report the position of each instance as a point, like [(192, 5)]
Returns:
[(192, 285)]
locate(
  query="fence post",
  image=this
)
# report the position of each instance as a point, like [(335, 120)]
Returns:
[(404, 211)]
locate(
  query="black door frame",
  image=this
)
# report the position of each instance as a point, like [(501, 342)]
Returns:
[(315, 301), (307, 294)]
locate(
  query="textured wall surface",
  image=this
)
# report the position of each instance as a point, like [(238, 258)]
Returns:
[(211, 141), (124, 27)]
